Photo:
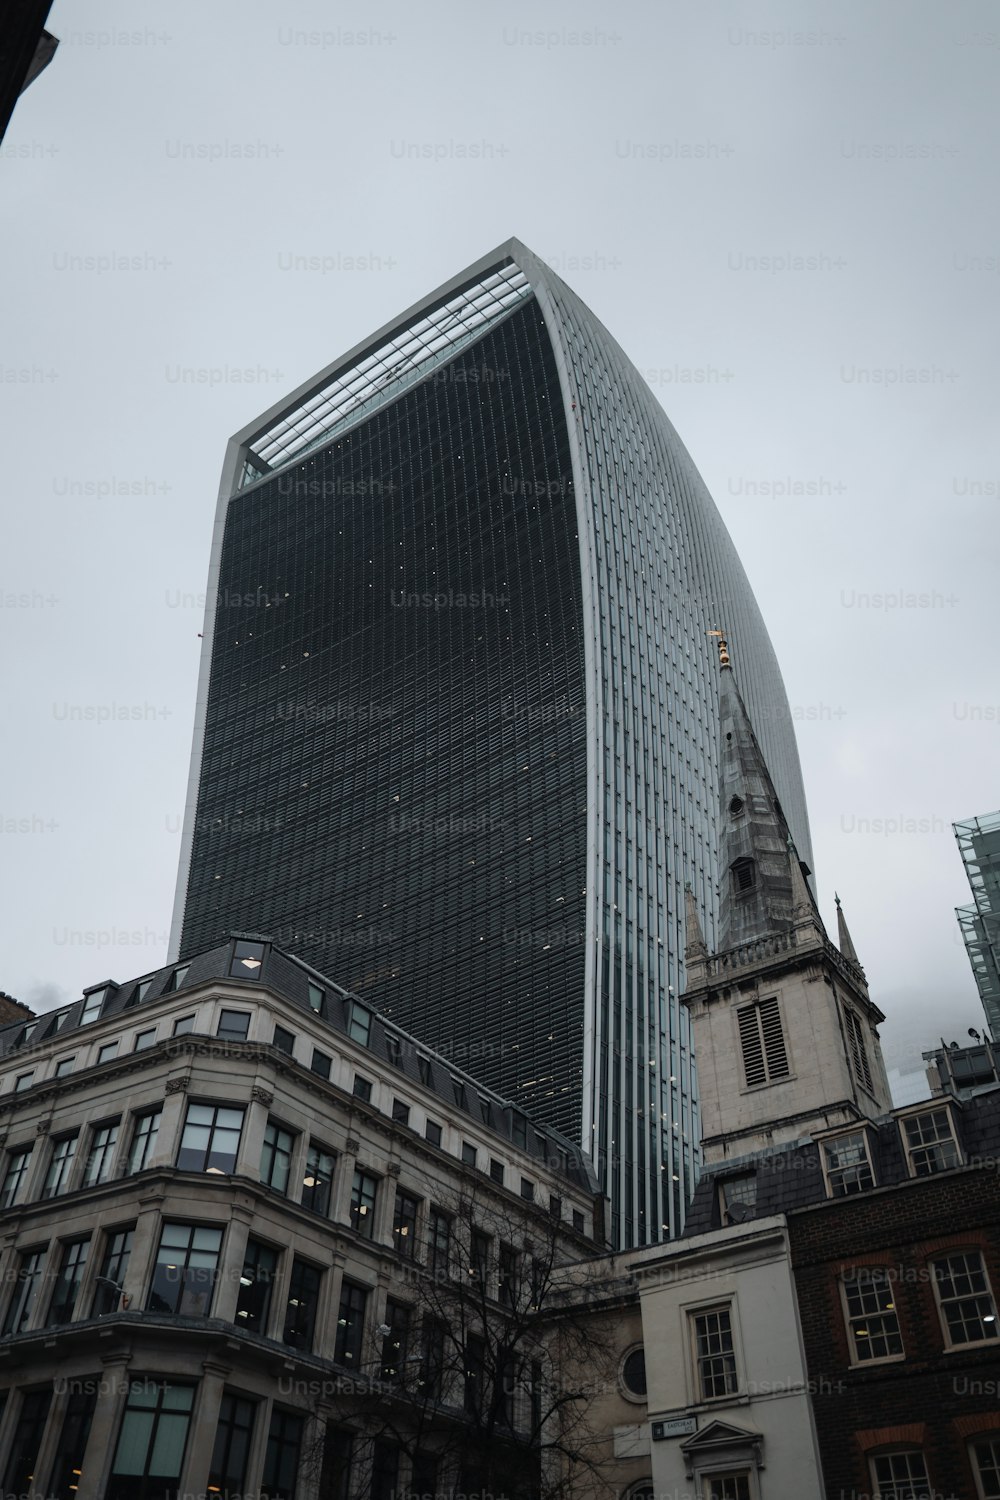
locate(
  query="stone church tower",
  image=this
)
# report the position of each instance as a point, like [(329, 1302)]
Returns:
[(784, 1030)]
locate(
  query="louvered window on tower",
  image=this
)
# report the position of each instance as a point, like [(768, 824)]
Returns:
[(859, 1053), (762, 1042), (744, 875)]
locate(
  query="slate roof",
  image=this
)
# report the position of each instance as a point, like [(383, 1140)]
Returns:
[(290, 978), (791, 1177)]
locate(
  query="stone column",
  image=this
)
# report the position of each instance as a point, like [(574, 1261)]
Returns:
[(172, 1114), (201, 1434), (145, 1242), (34, 1179), (252, 1139), (111, 1399), (343, 1178), (227, 1282)]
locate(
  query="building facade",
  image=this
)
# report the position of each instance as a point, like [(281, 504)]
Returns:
[(456, 659), (979, 845), (254, 1240)]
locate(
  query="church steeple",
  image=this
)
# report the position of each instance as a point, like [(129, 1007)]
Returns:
[(762, 881), (784, 1031), (844, 940)]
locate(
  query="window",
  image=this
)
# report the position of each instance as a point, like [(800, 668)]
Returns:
[(92, 1006), (744, 875), (762, 1042), (102, 1149), (469, 1154), (901, 1476), (858, 1050), (363, 1190), (71, 1268), (107, 1052), (438, 1242), (385, 1470), (432, 1357), (426, 1070), (394, 1049), (930, 1142), (26, 1442), (144, 1039), (317, 1181), (284, 1040), (338, 1462), (395, 1341), (738, 1198), (117, 1251), (77, 1420), (211, 1138), (22, 1082), (735, 807), (276, 1157), (140, 992), (144, 1134), (400, 1112), (986, 1466), (253, 1298), (404, 1224), (184, 1273), (507, 1288), (555, 1206), (362, 1089), (17, 1171), (475, 1361), (871, 1315), (527, 1189), (150, 1452), (350, 1325), (26, 1288), (60, 1165), (579, 1223), (732, 1486), (359, 1022), (633, 1373), (281, 1461), (458, 1091), (433, 1132), (176, 979), (519, 1130), (715, 1357), (963, 1291), (247, 960), (234, 1025), (316, 998), (64, 1066), (303, 1301), (496, 1170), (479, 1258), (846, 1164), (321, 1063), (183, 1025), (228, 1469)]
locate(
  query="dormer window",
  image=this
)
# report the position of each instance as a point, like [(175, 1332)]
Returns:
[(744, 873), (930, 1141), (738, 1198), (247, 960), (92, 1004)]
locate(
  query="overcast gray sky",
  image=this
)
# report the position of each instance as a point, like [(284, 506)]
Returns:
[(787, 215)]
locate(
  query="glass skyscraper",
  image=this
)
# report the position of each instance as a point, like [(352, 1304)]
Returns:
[(979, 845), (456, 739)]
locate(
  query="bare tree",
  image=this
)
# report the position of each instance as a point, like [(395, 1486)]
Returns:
[(481, 1379)]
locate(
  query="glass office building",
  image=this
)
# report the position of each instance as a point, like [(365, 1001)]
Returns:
[(456, 739), (979, 845)]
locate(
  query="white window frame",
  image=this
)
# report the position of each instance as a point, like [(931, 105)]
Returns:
[(838, 1135), (937, 1108), (945, 1328), (983, 1437), (849, 1319), (734, 1471), (903, 1451), (693, 1311)]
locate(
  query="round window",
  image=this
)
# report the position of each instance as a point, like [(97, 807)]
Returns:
[(634, 1372), (736, 807)]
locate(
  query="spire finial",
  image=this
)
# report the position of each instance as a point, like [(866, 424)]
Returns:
[(723, 647)]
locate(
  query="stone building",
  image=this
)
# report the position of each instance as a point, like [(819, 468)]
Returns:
[(224, 1188)]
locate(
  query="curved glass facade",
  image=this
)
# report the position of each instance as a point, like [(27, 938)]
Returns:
[(457, 729)]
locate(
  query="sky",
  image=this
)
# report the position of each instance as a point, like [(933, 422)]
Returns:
[(785, 213)]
